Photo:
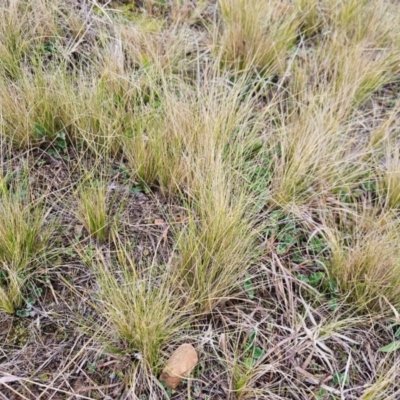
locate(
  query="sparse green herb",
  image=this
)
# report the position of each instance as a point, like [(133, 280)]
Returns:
[(92, 367), (341, 379), (252, 351), (248, 286), (391, 347)]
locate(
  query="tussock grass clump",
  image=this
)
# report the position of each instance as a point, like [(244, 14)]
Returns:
[(186, 134), (140, 308), (37, 108), (365, 261), (95, 207), (44, 30), (351, 70), (25, 242), (317, 154), (384, 386), (257, 36), (216, 247), (192, 147)]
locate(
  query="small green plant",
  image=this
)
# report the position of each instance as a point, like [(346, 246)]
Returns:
[(69, 251), (320, 280), (252, 352), (341, 379), (248, 359), (283, 231), (292, 240), (325, 285), (27, 311), (321, 394), (92, 367), (249, 287), (59, 145), (168, 390), (395, 345), (391, 347)]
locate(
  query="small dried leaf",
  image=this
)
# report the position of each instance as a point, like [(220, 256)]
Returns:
[(180, 365), (165, 235), (222, 342), (78, 229)]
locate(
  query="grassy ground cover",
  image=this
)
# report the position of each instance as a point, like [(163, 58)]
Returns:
[(223, 173)]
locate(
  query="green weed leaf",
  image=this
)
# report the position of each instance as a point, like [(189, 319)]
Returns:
[(40, 132), (258, 353), (24, 313), (391, 347), (248, 287), (339, 379), (248, 362), (316, 278)]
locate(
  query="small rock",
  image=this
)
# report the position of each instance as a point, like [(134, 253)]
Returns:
[(180, 365)]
